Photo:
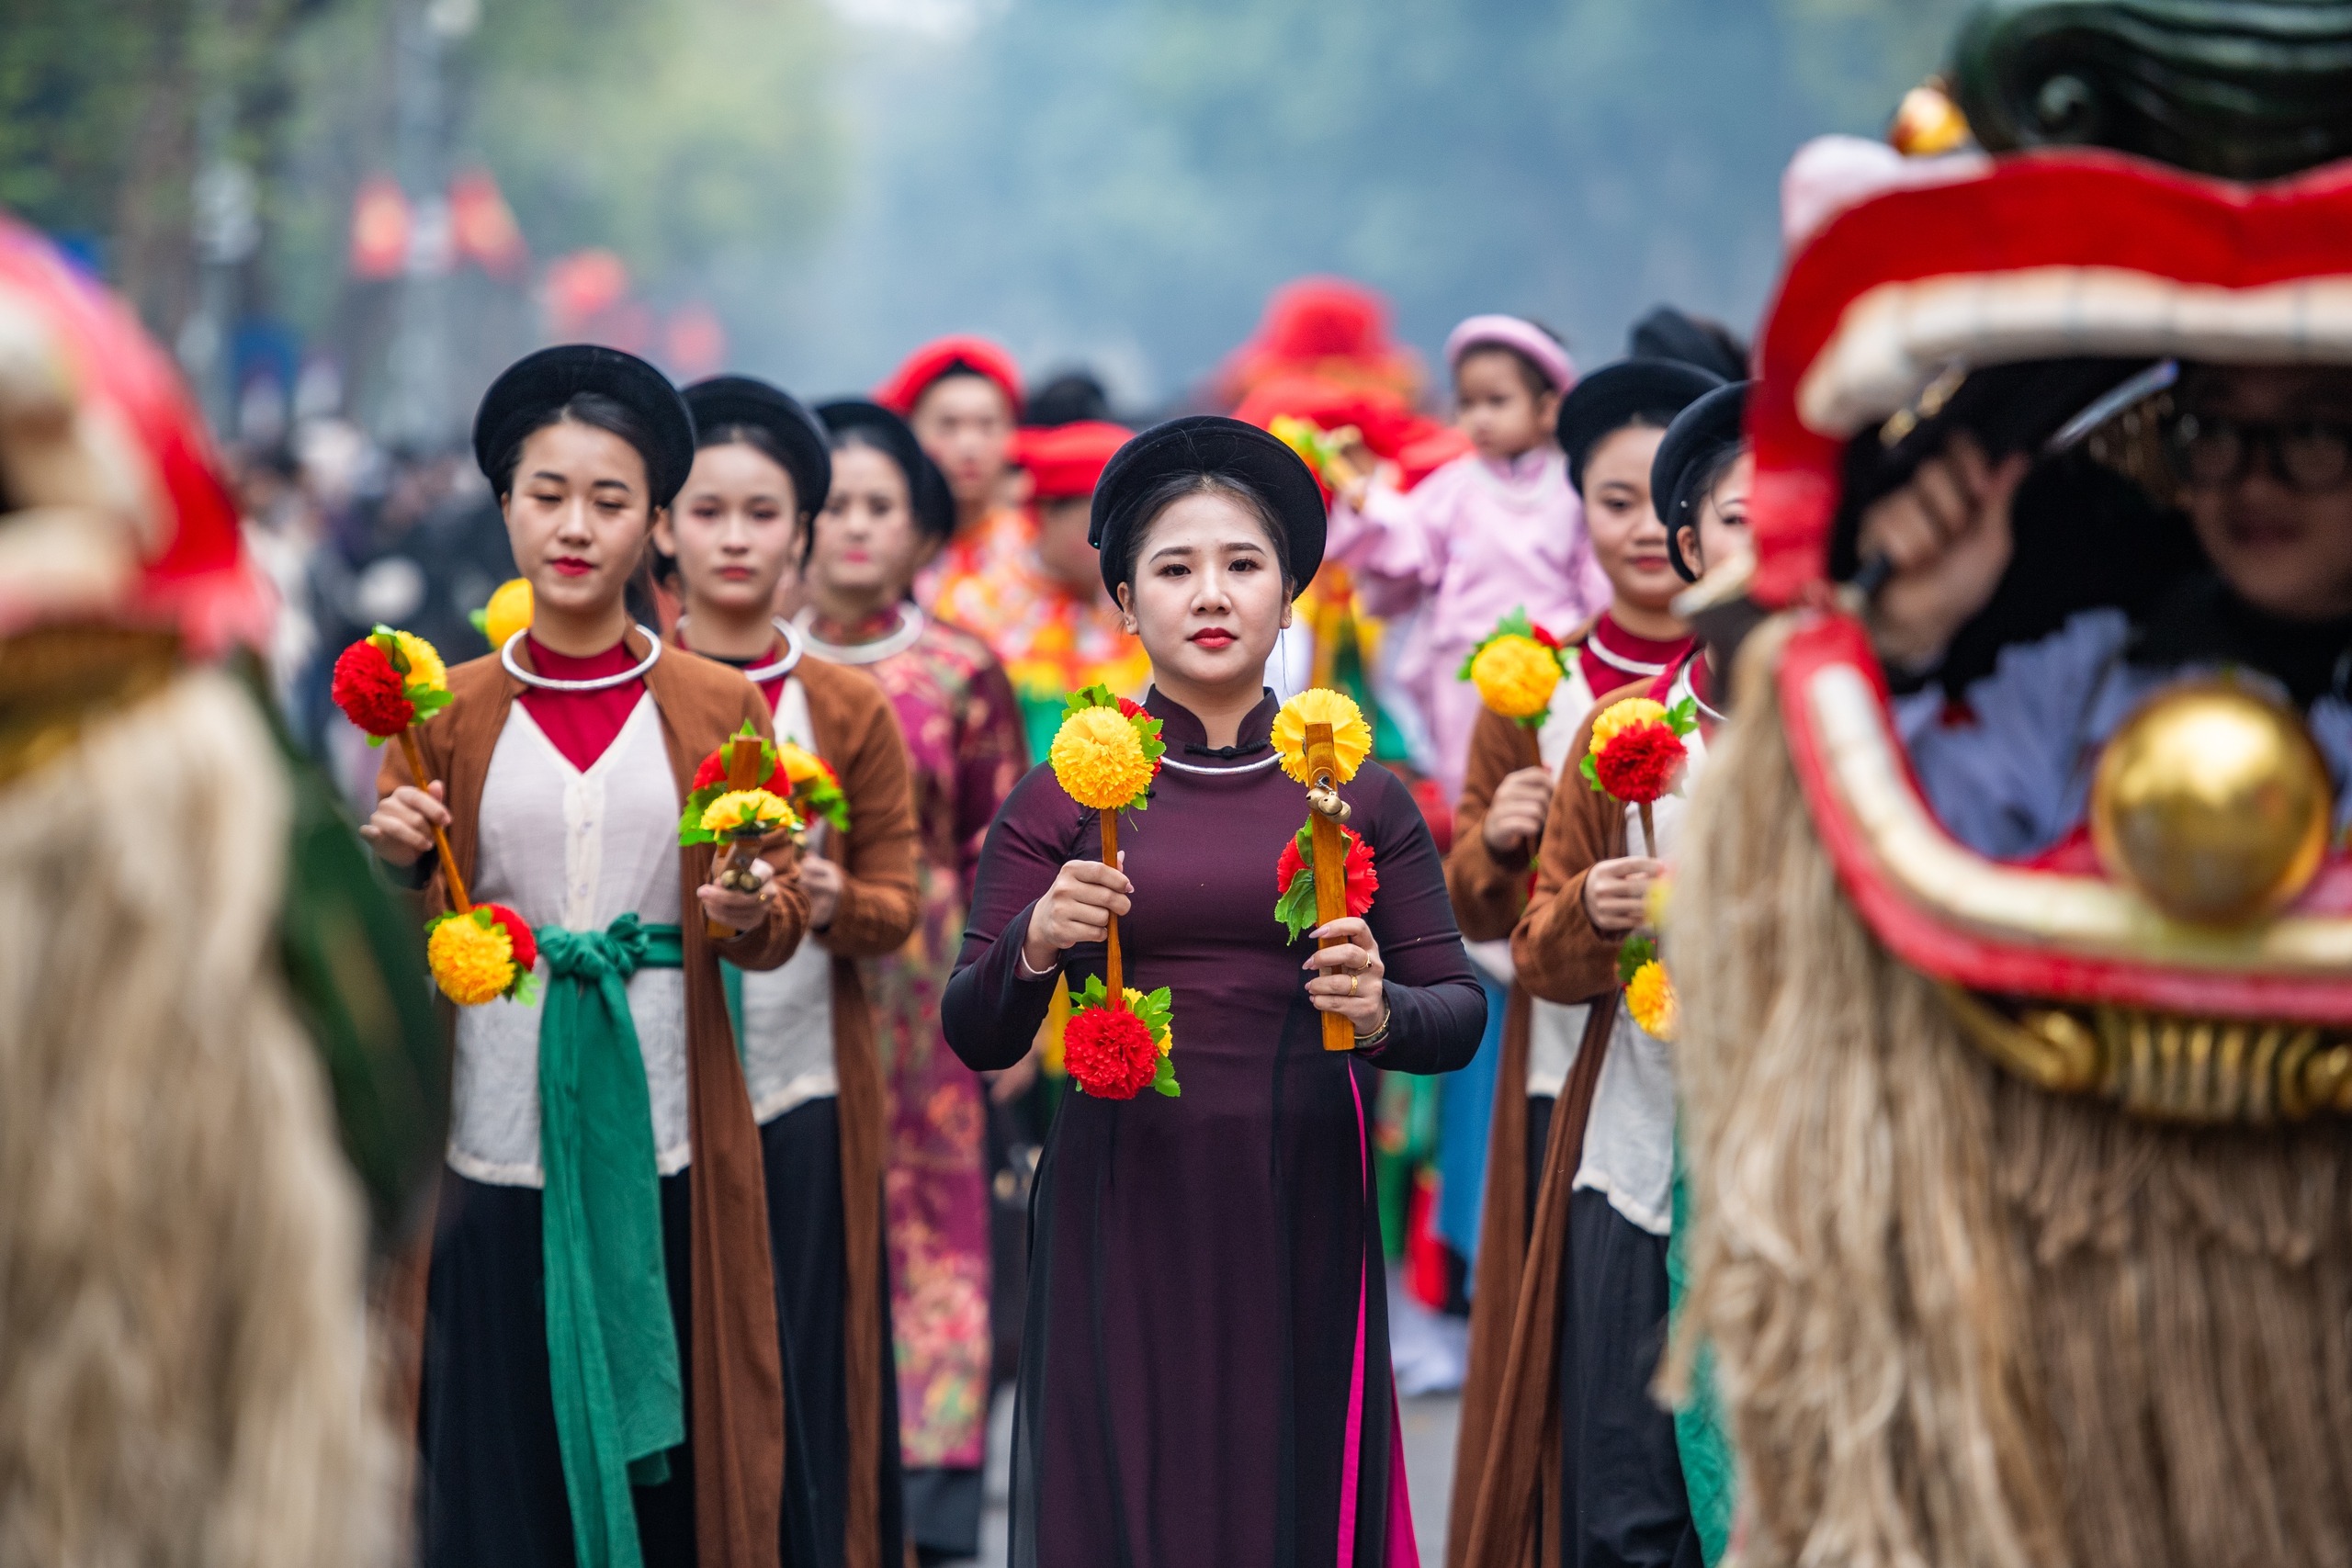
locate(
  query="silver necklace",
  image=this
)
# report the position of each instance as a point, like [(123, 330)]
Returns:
[(549, 684), (1266, 761), (1616, 661), (1688, 688), (793, 649), (910, 625)]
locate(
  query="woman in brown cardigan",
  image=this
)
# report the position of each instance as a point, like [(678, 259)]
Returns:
[(762, 471), (1610, 426), (601, 1383), (1584, 1465)]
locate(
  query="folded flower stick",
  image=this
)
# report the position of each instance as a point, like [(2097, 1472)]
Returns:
[(1326, 812), (440, 839), (743, 759)]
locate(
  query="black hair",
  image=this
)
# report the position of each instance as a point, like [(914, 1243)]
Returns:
[(1175, 487), (1640, 419), (591, 409), (1699, 486), (1538, 383), (1066, 399)]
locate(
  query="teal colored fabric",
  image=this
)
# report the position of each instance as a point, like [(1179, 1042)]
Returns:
[(731, 980), (612, 1348), (1709, 1473)]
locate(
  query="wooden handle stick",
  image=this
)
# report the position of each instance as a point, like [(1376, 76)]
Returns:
[(1111, 981), (1330, 868), (743, 772), (440, 839), (1649, 830)]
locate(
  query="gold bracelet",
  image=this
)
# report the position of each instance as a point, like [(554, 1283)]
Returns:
[(1387, 1012)]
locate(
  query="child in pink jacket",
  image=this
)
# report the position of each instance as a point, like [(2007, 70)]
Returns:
[(1497, 529)]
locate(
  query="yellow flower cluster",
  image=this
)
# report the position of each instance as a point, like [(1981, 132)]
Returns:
[(1098, 759), (1649, 996), (472, 962), (745, 808), (1618, 717), (425, 666), (1516, 675), (1351, 735), (508, 611), (799, 764)]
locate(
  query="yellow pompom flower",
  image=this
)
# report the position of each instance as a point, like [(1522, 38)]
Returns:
[(1351, 735), (745, 808), (473, 961), (799, 764), (1098, 759), (1623, 715), (1516, 675), (508, 611), (425, 666), (1649, 996)]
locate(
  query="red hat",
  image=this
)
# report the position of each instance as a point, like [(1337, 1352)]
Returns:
[(1065, 460), (926, 365), (133, 459), (1390, 426), (1324, 326)]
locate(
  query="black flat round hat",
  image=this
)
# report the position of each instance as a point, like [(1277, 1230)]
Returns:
[(934, 503), (537, 384), (1209, 443), (1697, 439), (1617, 395), (724, 401)]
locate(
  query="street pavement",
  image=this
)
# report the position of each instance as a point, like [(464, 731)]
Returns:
[(1429, 1421)]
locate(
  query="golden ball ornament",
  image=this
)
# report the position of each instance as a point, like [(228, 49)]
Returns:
[(2213, 803)]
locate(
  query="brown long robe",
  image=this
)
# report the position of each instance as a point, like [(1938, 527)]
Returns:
[(737, 1370), (857, 734), (1508, 1453)]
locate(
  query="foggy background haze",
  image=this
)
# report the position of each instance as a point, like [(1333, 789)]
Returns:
[(804, 189)]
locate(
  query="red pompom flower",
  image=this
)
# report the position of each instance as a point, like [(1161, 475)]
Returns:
[(1640, 761), (1109, 1053), (373, 693), (518, 932)]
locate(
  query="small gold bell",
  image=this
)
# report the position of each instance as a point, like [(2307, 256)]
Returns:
[(2213, 802)]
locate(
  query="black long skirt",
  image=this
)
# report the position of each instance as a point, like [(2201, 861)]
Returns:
[(490, 1492), (1622, 1504), (801, 1151)]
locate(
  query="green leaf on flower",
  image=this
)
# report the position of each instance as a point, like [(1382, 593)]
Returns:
[(1591, 775), (1158, 1011), (428, 700), (1163, 1079), (384, 637), (1295, 909), (1639, 950), (1095, 697), (1683, 717)]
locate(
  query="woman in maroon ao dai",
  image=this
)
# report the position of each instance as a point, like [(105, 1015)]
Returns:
[(1205, 1376)]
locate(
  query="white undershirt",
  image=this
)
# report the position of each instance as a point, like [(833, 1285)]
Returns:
[(577, 850), (788, 1011)]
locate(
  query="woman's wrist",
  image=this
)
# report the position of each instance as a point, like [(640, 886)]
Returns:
[(1380, 1032), (1038, 959)]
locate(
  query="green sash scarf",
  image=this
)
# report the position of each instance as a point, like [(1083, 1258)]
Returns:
[(612, 1348)]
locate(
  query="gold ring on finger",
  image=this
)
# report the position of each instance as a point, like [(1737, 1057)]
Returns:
[(1353, 981)]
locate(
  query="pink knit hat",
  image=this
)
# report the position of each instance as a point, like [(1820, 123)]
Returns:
[(1509, 332)]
